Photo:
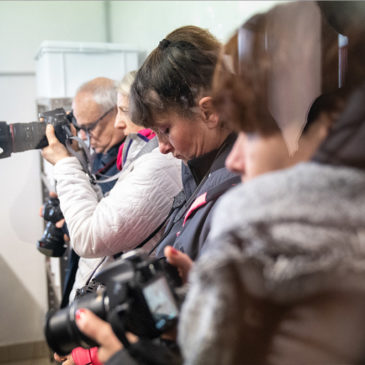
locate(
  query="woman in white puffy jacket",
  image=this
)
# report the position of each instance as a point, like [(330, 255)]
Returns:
[(138, 204)]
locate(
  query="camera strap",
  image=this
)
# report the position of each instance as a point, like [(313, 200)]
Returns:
[(149, 147), (95, 269), (83, 156)]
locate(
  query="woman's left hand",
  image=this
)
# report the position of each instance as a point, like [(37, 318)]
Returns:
[(180, 260), (55, 151)]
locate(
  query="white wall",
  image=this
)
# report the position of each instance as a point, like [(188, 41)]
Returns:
[(23, 26), (145, 23), (22, 278)]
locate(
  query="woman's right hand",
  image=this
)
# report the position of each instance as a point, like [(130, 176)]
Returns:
[(65, 360), (100, 331), (180, 260)]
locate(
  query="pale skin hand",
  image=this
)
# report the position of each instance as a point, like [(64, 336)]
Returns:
[(55, 151), (180, 260), (100, 331), (65, 360), (61, 222)]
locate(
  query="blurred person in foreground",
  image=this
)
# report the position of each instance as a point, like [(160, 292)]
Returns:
[(294, 249), (281, 279)]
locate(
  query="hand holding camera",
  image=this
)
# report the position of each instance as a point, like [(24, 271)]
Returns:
[(55, 151), (139, 295), (102, 332), (180, 260), (19, 137), (53, 240)]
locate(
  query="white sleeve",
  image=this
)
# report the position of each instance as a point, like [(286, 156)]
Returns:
[(135, 207)]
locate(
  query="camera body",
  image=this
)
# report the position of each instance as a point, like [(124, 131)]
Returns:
[(19, 137), (138, 294), (52, 242)]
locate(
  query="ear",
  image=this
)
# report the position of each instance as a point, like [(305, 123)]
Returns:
[(208, 112), (325, 123)]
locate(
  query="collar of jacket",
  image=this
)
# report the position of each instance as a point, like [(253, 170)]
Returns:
[(143, 134), (344, 145), (103, 159), (194, 172)]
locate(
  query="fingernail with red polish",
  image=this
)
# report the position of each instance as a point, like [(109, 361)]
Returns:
[(79, 314), (174, 251)]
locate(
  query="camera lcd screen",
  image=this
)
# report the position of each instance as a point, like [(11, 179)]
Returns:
[(160, 302)]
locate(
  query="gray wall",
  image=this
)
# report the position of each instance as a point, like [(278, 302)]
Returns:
[(23, 26)]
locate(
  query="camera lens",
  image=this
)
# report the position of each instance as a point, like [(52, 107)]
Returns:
[(61, 331), (28, 136)]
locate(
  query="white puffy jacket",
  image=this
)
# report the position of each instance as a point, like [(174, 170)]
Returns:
[(138, 203)]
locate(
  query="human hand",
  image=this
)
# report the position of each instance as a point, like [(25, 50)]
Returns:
[(65, 360), (55, 151), (180, 260), (61, 222), (52, 194), (100, 331)]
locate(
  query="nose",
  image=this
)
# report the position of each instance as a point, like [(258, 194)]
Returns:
[(83, 135), (235, 161), (164, 146), (119, 121)]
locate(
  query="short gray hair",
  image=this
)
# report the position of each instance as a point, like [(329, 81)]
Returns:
[(103, 90)]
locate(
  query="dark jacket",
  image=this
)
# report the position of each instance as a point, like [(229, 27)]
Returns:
[(344, 146), (104, 165), (147, 352), (205, 179)]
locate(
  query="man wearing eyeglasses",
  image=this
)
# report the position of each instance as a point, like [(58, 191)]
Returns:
[(95, 109)]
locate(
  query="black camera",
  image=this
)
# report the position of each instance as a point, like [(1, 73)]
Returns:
[(52, 242), (19, 137), (137, 294)]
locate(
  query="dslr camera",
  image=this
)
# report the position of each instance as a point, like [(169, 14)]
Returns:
[(19, 137), (136, 294), (52, 242)]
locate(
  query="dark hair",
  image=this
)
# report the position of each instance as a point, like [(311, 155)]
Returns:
[(174, 75), (324, 103)]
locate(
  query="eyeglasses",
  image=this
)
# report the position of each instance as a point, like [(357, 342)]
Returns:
[(88, 128)]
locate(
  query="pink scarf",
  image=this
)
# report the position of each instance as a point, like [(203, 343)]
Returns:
[(145, 134)]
